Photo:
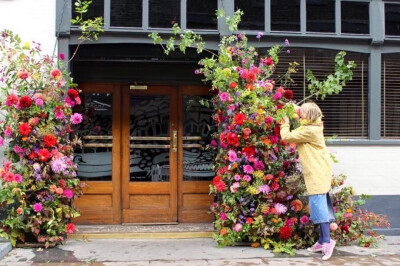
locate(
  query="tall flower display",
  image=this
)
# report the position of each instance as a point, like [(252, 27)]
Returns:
[(38, 179)]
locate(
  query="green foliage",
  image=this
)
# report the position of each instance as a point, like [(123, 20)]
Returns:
[(334, 83), (90, 28)]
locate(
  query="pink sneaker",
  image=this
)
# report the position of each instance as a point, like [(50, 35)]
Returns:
[(317, 247), (328, 250)]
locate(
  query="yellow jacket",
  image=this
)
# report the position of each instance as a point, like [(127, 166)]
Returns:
[(314, 157)]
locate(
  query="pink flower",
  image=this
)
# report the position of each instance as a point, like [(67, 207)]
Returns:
[(61, 56), (277, 96), (68, 193), (1, 141), (76, 118), (223, 216), (8, 131), (77, 100), (39, 102), (333, 226), (265, 189), (18, 178), (304, 219), (247, 178), (224, 96), (235, 187), (214, 143), (268, 120), (248, 169), (280, 208), (8, 177), (59, 114), (237, 177), (259, 165), (348, 215), (69, 102), (12, 99), (232, 156), (38, 207), (238, 227), (23, 74), (70, 228)]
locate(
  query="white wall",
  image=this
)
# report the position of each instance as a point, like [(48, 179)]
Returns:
[(373, 170), (32, 20)]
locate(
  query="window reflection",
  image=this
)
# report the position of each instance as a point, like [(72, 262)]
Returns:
[(285, 15), (253, 17), (321, 15)]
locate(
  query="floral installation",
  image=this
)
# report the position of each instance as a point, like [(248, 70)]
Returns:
[(258, 189), (38, 178)]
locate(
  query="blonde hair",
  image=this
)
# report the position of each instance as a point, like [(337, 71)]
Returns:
[(311, 111)]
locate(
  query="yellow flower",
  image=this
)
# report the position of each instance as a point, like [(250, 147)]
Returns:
[(258, 174), (260, 111), (227, 71), (254, 191), (26, 46)]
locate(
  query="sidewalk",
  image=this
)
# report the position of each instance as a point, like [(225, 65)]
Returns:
[(193, 252)]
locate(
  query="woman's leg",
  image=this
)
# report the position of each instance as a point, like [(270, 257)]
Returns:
[(325, 233)]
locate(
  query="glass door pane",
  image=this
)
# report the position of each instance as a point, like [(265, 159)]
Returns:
[(197, 130), (94, 155), (149, 138)]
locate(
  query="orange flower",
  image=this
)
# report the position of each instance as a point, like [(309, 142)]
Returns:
[(307, 209), (59, 191), (297, 204), (349, 210), (53, 188), (223, 231), (275, 220), (255, 244), (19, 211)]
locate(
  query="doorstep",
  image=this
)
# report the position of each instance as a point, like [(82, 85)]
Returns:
[(149, 231)]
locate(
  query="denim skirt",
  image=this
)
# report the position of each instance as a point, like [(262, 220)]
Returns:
[(321, 208)]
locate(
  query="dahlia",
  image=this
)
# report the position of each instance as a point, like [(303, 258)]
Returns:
[(44, 155), (38, 207), (285, 232), (304, 219), (25, 102), (73, 93), (280, 208), (24, 129), (76, 118), (70, 228), (50, 140)]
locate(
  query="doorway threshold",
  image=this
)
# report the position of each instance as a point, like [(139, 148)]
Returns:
[(135, 231)]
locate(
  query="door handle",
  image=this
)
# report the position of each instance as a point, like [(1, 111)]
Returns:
[(174, 141)]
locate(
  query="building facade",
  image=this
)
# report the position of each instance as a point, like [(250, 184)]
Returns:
[(143, 153)]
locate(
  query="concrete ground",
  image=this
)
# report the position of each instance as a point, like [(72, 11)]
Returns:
[(200, 251)]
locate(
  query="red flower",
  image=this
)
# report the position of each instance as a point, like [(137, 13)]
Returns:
[(24, 129), (249, 151), (221, 186), (285, 232), (233, 85), (249, 220), (50, 140), (44, 155), (239, 118), (73, 93), (275, 186), (23, 74), (251, 77), (55, 73), (62, 183), (268, 61), (345, 228), (25, 102), (233, 139), (288, 94), (32, 155), (216, 180), (70, 228)]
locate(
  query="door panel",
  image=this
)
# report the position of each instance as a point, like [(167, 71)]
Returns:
[(99, 133), (195, 160), (149, 156)]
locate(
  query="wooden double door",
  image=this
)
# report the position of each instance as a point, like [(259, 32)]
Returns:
[(143, 156)]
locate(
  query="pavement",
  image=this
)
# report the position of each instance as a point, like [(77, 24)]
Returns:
[(187, 252)]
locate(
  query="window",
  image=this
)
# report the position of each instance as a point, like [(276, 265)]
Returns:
[(126, 13), (390, 97), (355, 17), (320, 15), (392, 19), (96, 9), (253, 17), (201, 14), (163, 14), (345, 114), (285, 15)]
